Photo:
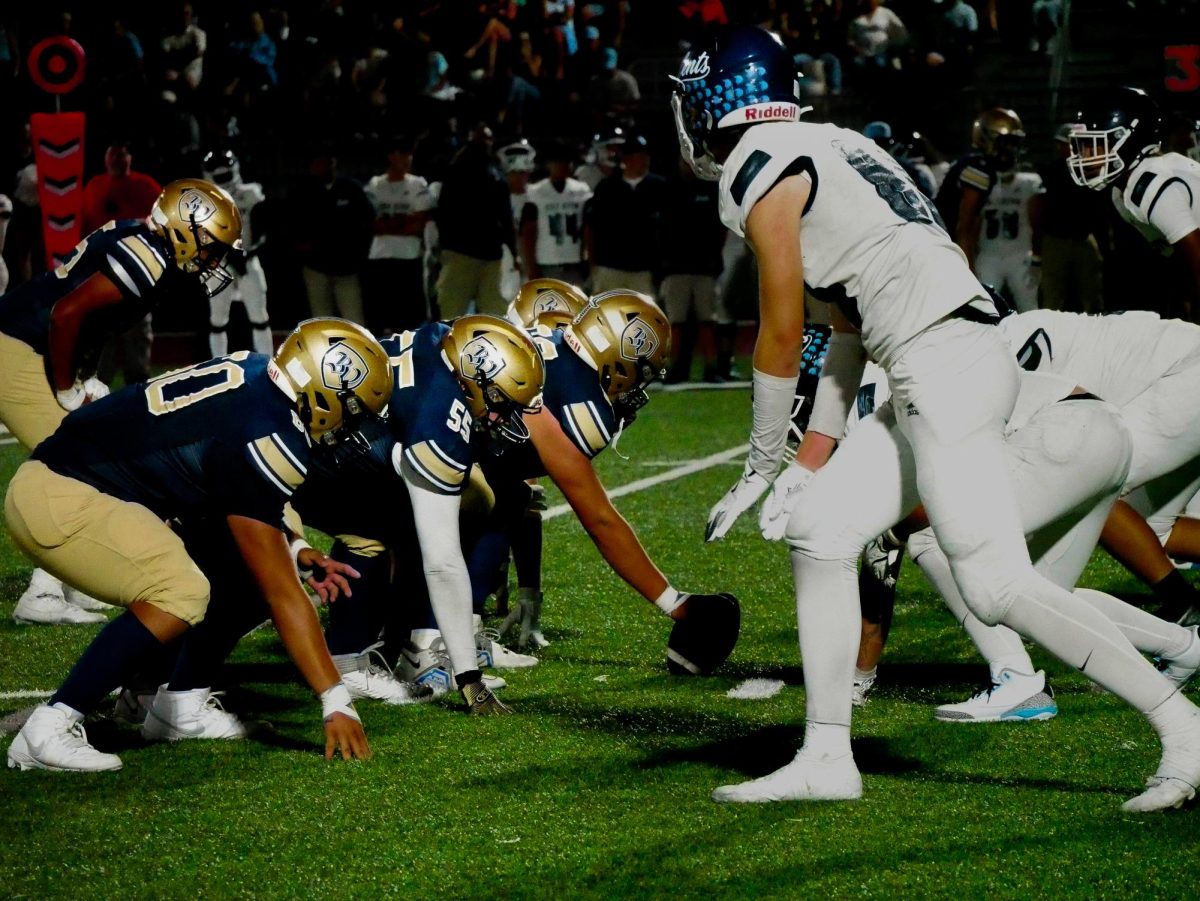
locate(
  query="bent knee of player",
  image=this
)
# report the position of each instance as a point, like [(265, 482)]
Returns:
[(989, 591), (823, 534), (183, 593), (921, 543)]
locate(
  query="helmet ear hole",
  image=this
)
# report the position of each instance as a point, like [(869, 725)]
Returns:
[(322, 404)]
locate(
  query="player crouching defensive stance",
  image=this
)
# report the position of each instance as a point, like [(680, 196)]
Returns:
[(228, 438), (826, 209)]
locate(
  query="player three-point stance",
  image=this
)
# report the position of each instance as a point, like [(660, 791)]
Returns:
[(230, 440), (905, 296), (250, 281), (53, 328)]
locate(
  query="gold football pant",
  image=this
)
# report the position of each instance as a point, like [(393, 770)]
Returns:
[(27, 404), (114, 550)]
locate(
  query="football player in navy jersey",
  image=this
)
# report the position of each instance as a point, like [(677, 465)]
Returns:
[(825, 210), (230, 439), (53, 327)]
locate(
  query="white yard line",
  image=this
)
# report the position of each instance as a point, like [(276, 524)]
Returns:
[(22, 695), (687, 469)]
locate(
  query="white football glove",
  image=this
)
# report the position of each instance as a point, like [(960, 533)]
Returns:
[(737, 500), (71, 398), (777, 508), (95, 389), (881, 556)]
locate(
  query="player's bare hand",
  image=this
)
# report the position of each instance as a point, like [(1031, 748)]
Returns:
[(346, 735), (330, 578)]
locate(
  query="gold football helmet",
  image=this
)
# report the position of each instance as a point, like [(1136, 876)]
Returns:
[(202, 224), (501, 372), (338, 375), (998, 134), (546, 301), (626, 338)]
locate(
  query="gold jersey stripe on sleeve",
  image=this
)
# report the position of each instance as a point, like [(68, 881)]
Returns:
[(976, 178), (587, 428), (280, 464), (428, 459), (144, 255), (363, 547)]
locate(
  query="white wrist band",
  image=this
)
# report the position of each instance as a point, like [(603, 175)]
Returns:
[(297, 546), (336, 699), (669, 600)]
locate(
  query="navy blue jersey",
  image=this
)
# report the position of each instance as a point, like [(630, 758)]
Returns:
[(428, 413), (971, 171), (572, 395), (128, 253), (215, 439)]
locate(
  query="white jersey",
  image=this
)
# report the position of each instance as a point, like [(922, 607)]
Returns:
[(247, 195), (1117, 357), (559, 216), (1161, 199), (872, 242), (590, 174), (398, 198), (1005, 229), (518, 206)]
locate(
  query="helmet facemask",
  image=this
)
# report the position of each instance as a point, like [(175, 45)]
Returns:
[(687, 125), (210, 260), (1095, 160)]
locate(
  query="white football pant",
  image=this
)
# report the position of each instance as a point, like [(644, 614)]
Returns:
[(1012, 274), (251, 290)]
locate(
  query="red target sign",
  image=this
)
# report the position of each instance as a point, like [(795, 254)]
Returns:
[(56, 64)]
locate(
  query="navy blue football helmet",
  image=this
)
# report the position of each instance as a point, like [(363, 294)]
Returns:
[(1111, 136), (742, 77)]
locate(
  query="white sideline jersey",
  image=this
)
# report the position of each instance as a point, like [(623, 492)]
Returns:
[(247, 195), (872, 242), (402, 197), (559, 220), (1117, 357), (1161, 198), (1006, 229)]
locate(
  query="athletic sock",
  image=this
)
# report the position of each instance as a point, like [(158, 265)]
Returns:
[(1175, 596), (120, 649)]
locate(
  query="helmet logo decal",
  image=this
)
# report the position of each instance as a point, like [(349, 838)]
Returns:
[(480, 357), (193, 205), (550, 302), (342, 368), (638, 340), (694, 68)]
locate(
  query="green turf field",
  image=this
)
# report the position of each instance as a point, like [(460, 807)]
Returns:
[(599, 786)]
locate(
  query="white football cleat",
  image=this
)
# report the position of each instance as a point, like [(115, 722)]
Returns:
[(1181, 669), (77, 598), (132, 705), (373, 678), (52, 739), (1017, 697), (858, 696), (492, 653), (804, 779), (42, 605), (431, 666), (1175, 781), (197, 713)]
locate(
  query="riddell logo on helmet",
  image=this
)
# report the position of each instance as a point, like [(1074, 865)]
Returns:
[(772, 112)]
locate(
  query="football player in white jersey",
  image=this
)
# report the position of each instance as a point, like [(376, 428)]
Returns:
[(1115, 146), (552, 222), (825, 208), (250, 285), (1009, 257), (517, 161)]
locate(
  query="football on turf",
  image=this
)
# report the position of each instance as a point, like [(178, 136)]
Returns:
[(705, 637)]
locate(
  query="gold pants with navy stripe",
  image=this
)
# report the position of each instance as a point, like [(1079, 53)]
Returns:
[(114, 550), (27, 403)]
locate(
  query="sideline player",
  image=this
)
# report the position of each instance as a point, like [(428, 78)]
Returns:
[(250, 284), (53, 327), (231, 438), (873, 245)]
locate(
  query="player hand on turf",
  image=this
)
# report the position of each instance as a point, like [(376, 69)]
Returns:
[(345, 734), (481, 701), (737, 500), (777, 508), (334, 575)]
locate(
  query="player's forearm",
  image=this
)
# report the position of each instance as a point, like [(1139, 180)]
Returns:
[(619, 546), (300, 631)]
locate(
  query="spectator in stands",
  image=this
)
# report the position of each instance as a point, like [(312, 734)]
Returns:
[(623, 223), (613, 94), (183, 54), (334, 223), (1073, 219), (474, 220), (256, 53), (692, 240), (394, 278), (552, 221), (876, 34), (560, 22), (496, 30), (121, 193)]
